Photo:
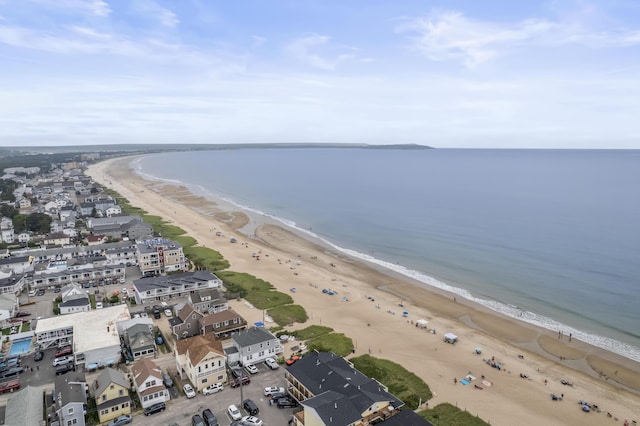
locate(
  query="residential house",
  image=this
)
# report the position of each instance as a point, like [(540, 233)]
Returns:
[(12, 284), (24, 203), (185, 323), (254, 345), (78, 304), (24, 237), (8, 306), (70, 398), (86, 208), (159, 256), (67, 212), (209, 301), (147, 380), (202, 360), (56, 227), (58, 239), (111, 392), (93, 240), (6, 230), (222, 324), (113, 211), (139, 338), (175, 285), (24, 407), (329, 388)]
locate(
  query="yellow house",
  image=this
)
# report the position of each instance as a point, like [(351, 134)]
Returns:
[(202, 360), (111, 391)]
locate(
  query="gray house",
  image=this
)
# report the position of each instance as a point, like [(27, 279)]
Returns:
[(139, 338), (185, 323), (209, 301), (255, 345), (70, 396)]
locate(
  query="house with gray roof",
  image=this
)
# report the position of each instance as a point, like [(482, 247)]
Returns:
[(222, 324), (209, 301), (330, 389), (25, 408), (70, 397), (111, 392), (139, 339), (185, 323), (151, 289), (255, 344)]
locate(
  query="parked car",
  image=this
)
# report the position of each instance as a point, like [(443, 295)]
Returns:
[(270, 390), (11, 371), (22, 314), (125, 419), (211, 389), (155, 408), (168, 313), (156, 314), (252, 421), (234, 413), (237, 373), (32, 293), (196, 420), (40, 292), (276, 396), (209, 418), (250, 407), (286, 402), (166, 379), (271, 363), (63, 369), (188, 391), (62, 360), (252, 369), (10, 386), (66, 350), (292, 359), (244, 380)]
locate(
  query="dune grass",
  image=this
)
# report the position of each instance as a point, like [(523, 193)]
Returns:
[(284, 315), (446, 414)]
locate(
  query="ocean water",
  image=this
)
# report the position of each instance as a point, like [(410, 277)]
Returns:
[(551, 237)]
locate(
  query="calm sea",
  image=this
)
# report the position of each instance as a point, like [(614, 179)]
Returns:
[(548, 236)]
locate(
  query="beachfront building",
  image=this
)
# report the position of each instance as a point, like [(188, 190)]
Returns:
[(147, 380), (16, 264), (70, 398), (158, 256), (328, 388), (121, 252), (12, 283), (254, 345), (185, 323), (202, 360), (209, 301), (111, 392), (75, 272), (94, 335), (222, 324), (152, 289)]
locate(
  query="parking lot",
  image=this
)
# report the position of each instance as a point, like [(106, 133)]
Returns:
[(180, 411)]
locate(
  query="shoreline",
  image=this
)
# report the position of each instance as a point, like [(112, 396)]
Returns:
[(475, 324)]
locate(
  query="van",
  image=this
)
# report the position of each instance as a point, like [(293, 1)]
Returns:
[(62, 360), (155, 408)]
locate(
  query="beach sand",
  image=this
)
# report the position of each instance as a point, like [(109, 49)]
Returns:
[(372, 317)]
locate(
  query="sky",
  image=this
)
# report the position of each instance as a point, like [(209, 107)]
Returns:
[(456, 73)]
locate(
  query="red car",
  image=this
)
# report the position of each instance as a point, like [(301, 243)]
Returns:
[(22, 314), (67, 350), (292, 359), (10, 386)]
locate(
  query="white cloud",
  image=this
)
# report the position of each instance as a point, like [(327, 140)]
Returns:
[(450, 35), (302, 48), (258, 41), (92, 7), (153, 10)]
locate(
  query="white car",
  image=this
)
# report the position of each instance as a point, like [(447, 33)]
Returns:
[(211, 389), (251, 368), (271, 363), (168, 313), (188, 391), (270, 390), (252, 420), (234, 413)]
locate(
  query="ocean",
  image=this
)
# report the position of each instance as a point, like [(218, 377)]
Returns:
[(551, 237)]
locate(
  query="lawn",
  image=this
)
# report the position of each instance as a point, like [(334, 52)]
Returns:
[(337, 343), (446, 414), (402, 383), (284, 315)]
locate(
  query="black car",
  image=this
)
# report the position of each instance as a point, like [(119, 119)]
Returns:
[(65, 368), (209, 417), (250, 407), (286, 402), (38, 356), (196, 420), (157, 314), (242, 381), (155, 408), (40, 292)]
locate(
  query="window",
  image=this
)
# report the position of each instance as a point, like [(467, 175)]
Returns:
[(70, 410), (112, 387), (104, 398), (204, 381), (120, 392)]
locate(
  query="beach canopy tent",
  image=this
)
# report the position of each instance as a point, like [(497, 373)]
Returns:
[(422, 323), (450, 338)]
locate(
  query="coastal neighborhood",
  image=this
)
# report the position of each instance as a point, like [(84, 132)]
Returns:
[(109, 322)]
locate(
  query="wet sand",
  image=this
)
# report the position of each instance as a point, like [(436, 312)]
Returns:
[(366, 308)]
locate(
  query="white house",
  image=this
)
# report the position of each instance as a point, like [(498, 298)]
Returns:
[(255, 345), (6, 230), (147, 380)]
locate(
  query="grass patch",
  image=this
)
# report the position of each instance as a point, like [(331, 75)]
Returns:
[(206, 258), (92, 300), (185, 241), (337, 343), (171, 231), (258, 292), (288, 314), (310, 332), (446, 414), (402, 383)]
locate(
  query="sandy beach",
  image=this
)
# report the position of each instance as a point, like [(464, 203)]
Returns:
[(366, 307)]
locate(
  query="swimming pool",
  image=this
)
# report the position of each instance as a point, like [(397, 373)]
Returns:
[(19, 347)]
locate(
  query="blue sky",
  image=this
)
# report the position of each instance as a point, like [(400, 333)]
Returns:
[(535, 74)]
